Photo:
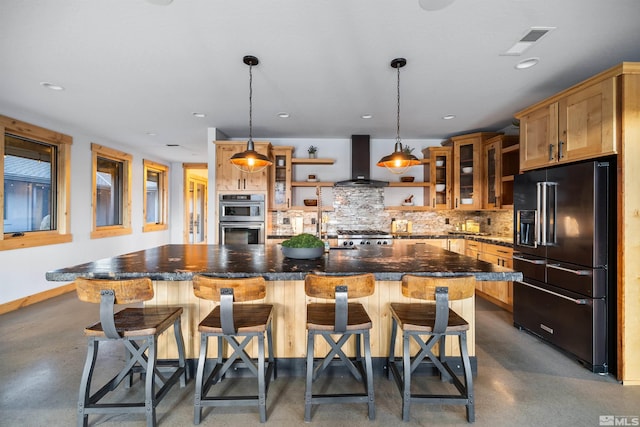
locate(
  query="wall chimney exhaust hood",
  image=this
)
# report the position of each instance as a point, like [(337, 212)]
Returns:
[(360, 165)]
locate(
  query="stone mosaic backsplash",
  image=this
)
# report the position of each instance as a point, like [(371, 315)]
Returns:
[(363, 208)]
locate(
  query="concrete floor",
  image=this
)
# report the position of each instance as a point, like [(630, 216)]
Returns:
[(521, 382)]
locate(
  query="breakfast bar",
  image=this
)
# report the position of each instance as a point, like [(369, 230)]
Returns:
[(171, 267)]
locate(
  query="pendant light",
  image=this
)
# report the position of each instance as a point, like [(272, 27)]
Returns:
[(398, 162), (250, 160)]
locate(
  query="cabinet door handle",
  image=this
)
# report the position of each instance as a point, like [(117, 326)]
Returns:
[(560, 155), (550, 152), (434, 202), (244, 183), (456, 202), (239, 188)]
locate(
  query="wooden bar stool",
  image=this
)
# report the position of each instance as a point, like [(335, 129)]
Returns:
[(435, 321), (344, 319), (227, 322), (138, 329)]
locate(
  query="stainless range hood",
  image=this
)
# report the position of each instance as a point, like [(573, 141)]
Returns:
[(360, 165)]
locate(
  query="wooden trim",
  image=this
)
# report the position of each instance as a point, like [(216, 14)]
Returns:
[(186, 177), (62, 142), (126, 159), (163, 185), (35, 298), (617, 70)]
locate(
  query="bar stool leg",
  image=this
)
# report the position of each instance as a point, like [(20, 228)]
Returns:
[(308, 392), (272, 361), (406, 365), (149, 405), (468, 376), (262, 396), (197, 413), (392, 347), (369, 373), (85, 382), (177, 332)]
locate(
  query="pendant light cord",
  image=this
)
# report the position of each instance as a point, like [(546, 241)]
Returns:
[(398, 115), (250, 102)]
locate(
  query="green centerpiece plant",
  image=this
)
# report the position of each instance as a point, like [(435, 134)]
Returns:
[(303, 246)]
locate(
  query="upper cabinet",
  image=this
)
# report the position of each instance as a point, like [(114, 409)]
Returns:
[(578, 124), (438, 173), (230, 178), (468, 169), (501, 164), (280, 182)]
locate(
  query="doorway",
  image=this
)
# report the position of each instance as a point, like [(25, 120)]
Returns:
[(195, 203)]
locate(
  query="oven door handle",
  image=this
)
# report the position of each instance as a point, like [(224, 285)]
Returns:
[(569, 270), (531, 261), (579, 301)]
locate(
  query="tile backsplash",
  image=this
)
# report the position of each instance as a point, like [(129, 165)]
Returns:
[(363, 208)]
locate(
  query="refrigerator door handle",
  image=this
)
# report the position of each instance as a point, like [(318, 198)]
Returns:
[(531, 261), (569, 270), (546, 213), (579, 301)]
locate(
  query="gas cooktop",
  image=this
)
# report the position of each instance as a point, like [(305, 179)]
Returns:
[(364, 237)]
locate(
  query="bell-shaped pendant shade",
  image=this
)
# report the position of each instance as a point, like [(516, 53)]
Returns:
[(398, 162), (250, 160)]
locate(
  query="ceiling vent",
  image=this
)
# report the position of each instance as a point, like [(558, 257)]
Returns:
[(532, 37)]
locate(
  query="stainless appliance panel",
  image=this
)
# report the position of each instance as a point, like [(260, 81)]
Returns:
[(242, 207), (525, 209), (573, 323), (581, 216), (242, 233), (531, 266), (586, 281)]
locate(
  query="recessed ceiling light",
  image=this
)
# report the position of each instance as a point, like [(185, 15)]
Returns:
[(527, 63), (51, 86), (367, 116), (283, 115), (449, 117), (173, 145), (199, 115), (151, 133)]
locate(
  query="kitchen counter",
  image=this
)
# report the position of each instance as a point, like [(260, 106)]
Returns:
[(171, 267), (180, 262)]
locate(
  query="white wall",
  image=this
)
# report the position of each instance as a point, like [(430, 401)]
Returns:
[(22, 271)]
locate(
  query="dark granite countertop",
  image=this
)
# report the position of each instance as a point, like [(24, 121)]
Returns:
[(180, 262)]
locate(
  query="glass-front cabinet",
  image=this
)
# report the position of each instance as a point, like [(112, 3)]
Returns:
[(468, 170), (281, 177), (438, 174), (491, 174)]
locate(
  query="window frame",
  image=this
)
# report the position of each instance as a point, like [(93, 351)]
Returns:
[(163, 184), (62, 142), (98, 232)]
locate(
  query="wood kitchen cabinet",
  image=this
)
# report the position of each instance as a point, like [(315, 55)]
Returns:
[(578, 125), (230, 178), (280, 180), (499, 293), (501, 164), (468, 169), (438, 173)]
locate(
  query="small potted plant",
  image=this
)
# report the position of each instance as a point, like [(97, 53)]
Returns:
[(407, 150), (303, 246), (313, 150)]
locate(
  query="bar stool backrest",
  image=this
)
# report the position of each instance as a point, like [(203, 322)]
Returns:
[(361, 285), (244, 289), (424, 287), (125, 291)]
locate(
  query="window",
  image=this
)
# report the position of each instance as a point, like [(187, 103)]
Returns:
[(35, 181), (155, 196), (111, 175)]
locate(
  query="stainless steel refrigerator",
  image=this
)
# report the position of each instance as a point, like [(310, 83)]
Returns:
[(564, 243)]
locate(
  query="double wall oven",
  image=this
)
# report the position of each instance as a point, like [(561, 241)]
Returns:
[(241, 219)]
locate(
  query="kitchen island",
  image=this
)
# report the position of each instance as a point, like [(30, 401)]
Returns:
[(172, 267)]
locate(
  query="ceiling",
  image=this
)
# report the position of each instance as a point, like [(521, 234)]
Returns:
[(134, 67)]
